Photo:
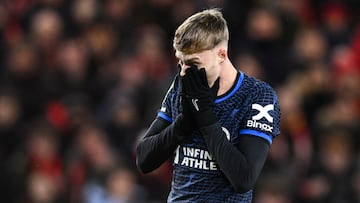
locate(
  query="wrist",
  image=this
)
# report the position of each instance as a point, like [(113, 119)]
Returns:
[(181, 127), (210, 130), (205, 118)]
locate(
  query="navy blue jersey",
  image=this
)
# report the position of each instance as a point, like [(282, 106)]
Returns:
[(250, 107)]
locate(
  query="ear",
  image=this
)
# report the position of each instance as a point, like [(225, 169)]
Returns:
[(222, 54)]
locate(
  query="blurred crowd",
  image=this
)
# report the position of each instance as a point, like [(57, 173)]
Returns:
[(80, 80)]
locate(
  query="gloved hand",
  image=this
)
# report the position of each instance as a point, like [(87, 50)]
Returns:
[(199, 96), (184, 123)]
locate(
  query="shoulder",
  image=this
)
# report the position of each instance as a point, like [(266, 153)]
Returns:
[(259, 89)]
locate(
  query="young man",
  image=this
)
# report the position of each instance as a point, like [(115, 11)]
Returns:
[(215, 123)]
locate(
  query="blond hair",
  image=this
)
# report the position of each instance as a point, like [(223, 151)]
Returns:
[(201, 31)]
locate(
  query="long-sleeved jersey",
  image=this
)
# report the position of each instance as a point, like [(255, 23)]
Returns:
[(250, 107)]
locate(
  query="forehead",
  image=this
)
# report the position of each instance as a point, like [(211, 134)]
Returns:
[(198, 55)]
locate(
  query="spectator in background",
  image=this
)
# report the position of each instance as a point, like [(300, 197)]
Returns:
[(46, 32), (122, 186), (83, 14), (335, 24), (89, 162), (23, 77), (10, 139), (330, 174), (71, 73), (41, 188), (263, 39)]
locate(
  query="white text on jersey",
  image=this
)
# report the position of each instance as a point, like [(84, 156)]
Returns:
[(198, 158), (262, 126)]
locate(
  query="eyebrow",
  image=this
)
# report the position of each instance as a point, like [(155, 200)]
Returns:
[(191, 60)]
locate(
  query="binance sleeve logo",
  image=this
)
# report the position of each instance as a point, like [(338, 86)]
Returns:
[(263, 112)]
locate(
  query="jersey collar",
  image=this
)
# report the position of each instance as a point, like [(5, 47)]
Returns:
[(233, 89)]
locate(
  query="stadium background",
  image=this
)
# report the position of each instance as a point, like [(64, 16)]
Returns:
[(80, 80)]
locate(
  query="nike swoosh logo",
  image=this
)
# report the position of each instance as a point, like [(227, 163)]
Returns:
[(194, 102)]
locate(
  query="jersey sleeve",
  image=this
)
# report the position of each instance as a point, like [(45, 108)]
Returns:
[(166, 110), (262, 117)]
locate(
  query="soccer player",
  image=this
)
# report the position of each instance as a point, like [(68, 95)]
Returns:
[(216, 124)]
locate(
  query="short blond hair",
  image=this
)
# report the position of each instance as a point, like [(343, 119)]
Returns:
[(201, 31)]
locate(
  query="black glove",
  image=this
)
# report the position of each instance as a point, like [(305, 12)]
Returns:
[(184, 123), (199, 96)]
